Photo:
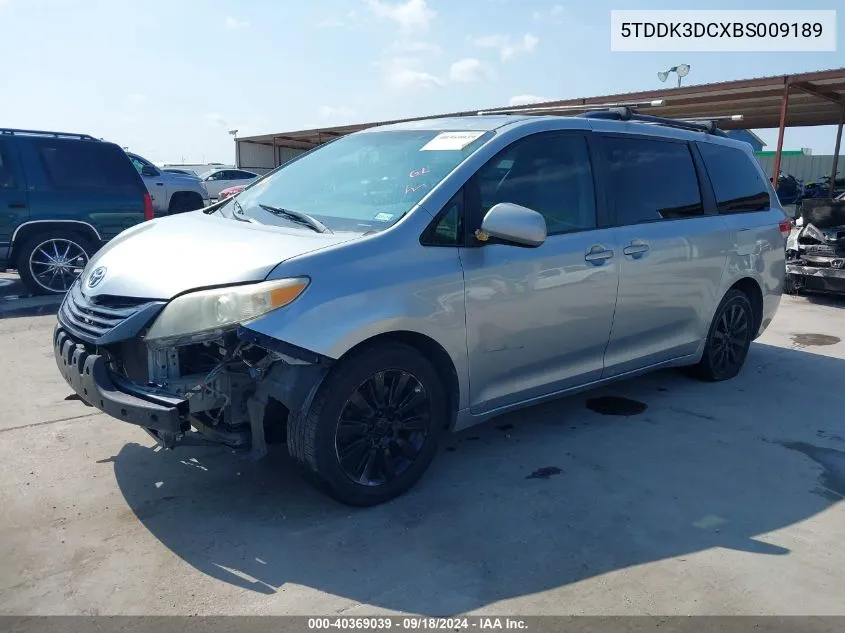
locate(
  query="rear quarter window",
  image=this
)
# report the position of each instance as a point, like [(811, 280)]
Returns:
[(737, 182), (87, 165)]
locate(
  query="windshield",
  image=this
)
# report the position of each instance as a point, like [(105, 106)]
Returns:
[(362, 182)]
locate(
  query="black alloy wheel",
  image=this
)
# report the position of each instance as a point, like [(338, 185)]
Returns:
[(373, 427), (730, 336), (382, 427)]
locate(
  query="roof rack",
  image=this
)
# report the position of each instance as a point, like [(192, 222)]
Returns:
[(11, 131), (625, 113), (541, 109)]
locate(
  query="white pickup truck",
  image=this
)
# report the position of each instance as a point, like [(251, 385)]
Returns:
[(171, 192)]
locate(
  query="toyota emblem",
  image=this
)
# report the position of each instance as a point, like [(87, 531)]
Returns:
[(96, 276)]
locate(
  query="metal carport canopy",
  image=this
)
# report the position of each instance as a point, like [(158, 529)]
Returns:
[(815, 98)]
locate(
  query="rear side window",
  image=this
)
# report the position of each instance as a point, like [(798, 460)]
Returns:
[(7, 174), (86, 165), (652, 180), (736, 182)]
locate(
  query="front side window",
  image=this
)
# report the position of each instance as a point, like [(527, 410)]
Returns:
[(736, 182), (361, 182), (448, 228), (652, 180), (548, 173)]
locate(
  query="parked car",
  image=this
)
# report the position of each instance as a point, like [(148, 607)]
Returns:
[(184, 172), (62, 196), (217, 180), (171, 193), (390, 286), (231, 191)]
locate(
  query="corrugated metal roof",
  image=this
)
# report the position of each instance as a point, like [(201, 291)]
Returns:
[(757, 99)]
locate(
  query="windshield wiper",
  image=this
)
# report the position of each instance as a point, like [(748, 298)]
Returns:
[(299, 217)]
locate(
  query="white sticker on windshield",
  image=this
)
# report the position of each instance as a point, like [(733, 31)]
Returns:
[(383, 217), (454, 141)]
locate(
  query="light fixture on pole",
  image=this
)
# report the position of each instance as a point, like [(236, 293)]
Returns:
[(234, 134), (682, 71)]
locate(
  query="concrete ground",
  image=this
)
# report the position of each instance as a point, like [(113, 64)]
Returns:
[(716, 499)]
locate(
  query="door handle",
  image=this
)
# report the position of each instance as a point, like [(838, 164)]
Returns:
[(159, 184), (598, 255), (636, 249), (17, 205)]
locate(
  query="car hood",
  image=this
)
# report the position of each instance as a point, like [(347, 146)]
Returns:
[(165, 257)]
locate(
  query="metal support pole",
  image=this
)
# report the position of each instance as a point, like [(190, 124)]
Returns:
[(836, 152), (783, 107)]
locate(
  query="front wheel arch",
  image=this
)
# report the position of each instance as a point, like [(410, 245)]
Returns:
[(433, 352), (312, 434)]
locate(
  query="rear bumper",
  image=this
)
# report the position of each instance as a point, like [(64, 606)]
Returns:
[(89, 376)]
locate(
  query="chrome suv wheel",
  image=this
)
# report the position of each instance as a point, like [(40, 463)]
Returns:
[(49, 264)]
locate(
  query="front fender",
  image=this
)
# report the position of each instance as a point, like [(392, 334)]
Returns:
[(347, 303)]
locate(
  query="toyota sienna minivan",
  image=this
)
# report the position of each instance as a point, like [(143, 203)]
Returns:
[(418, 278)]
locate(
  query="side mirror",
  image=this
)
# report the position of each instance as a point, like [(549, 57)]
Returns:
[(146, 170), (515, 224)]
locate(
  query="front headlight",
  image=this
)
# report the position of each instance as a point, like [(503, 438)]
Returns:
[(206, 314)]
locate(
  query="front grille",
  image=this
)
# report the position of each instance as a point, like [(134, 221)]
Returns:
[(89, 319)]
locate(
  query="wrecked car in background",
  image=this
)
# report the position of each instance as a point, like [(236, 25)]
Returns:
[(815, 251)]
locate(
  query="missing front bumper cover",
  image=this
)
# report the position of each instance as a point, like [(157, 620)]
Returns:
[(288, 375)]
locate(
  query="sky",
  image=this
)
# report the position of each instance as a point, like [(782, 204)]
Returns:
[(169, 78)]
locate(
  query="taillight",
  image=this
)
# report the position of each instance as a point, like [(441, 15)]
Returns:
[(785, 228), (148, 207)]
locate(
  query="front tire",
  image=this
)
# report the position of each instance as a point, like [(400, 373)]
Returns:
[(373, 428), (728, 340), (49, 263)]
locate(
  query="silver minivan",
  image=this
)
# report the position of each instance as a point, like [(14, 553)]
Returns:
[(418, 278)]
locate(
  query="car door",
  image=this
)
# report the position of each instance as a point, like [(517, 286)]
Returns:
[(14, 207), (674, 250), (217, 182), (538, 319)]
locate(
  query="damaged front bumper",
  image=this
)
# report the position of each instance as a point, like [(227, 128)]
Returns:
[(816, 278), (227, 404), (89, 376)]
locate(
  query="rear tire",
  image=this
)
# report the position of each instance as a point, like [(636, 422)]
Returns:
[(728, 340), (48, 263), (184, 202), (373, 428)]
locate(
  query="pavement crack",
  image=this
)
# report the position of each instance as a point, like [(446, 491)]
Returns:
[(67, 419)]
